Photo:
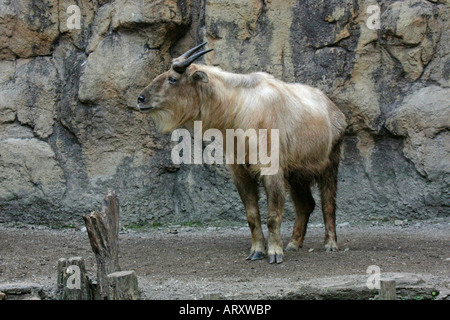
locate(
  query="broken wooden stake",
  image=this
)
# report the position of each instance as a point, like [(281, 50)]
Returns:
[(103, 231), (387, 290), (72, 281)]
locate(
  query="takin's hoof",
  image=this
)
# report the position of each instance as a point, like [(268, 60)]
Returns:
[(275, 258), (256, 255), (331, 246), (292, 246)]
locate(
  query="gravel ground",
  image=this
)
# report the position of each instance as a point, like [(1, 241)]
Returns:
[(209, 262)]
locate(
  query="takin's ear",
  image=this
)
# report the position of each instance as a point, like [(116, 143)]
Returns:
[(200, 76)]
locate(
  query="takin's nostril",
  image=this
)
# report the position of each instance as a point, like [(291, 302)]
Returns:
[(141, 99)]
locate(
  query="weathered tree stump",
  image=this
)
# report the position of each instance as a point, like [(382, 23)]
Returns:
[(387, 290), (103, 231), (72, 281), (123, 285)]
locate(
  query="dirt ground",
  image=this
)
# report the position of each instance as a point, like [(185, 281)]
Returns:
[(209, 262)]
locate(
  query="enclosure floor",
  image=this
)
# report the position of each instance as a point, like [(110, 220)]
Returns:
[(210, 262)]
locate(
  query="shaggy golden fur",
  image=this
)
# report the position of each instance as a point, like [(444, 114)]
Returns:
[(311, 130)]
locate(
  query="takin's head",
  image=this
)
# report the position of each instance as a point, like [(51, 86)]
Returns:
[(174, 98)]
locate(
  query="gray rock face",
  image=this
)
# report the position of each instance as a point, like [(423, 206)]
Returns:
[(68, 131), (28, 28)]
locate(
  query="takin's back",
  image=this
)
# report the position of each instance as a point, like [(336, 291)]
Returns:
[(309, 123)]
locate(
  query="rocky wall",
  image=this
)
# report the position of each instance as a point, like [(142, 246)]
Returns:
[(68, 130)]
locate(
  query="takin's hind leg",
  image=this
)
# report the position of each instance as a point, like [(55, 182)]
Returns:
[(304, 205), (248, 191), (328, 188)]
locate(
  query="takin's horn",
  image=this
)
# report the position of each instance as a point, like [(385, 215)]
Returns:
[(188, 53), (181, 66)]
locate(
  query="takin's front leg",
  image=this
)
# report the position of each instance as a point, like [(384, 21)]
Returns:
[(274, 186), (247, 188)]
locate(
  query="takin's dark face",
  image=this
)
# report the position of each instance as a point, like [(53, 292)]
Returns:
[(173, 98)]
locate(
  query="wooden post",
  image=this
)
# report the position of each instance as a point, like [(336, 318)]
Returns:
[(387, 290), (103, 231), (123, 285), (72, 281)]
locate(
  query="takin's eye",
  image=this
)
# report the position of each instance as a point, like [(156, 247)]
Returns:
[(172, 80)]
